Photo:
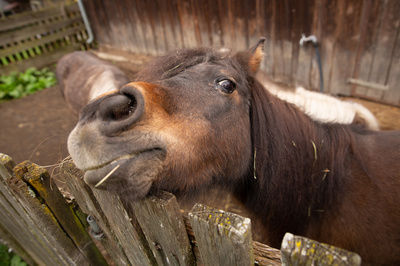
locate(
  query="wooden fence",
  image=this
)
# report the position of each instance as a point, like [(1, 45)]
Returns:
[(358, 40), (39, 38), (97, 228)]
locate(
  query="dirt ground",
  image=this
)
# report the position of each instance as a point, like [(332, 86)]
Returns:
[(36, 127)]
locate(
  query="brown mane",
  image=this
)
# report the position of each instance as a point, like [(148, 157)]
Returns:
[(300, 164)]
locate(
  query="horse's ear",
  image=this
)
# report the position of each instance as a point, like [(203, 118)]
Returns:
[(251, 58)]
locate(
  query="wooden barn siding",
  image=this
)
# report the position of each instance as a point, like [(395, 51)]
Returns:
[(358, 39)]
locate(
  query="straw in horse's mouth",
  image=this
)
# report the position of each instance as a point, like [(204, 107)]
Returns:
[(123, 157), (107, 176)]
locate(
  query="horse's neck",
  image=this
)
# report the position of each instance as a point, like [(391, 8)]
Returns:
[(102, 83), (299, 163)]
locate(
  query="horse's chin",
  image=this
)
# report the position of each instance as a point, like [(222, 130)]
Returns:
[(130, 176)]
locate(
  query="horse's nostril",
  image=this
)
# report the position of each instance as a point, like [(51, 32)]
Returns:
[(118, 107), (119, 112)]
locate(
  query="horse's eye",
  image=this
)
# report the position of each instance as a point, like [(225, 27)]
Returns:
[(226, 85)]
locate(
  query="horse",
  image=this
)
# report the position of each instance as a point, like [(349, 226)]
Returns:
[(101, 76), (79, 72), (322, 107), (199, 118)]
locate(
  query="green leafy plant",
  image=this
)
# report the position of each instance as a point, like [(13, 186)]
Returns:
[(17, 85), (8, 258)]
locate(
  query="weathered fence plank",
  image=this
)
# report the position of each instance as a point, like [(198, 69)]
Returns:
[(164, 229), (58, 244), (115, 222), (87, 202), (30, 17), (265, 255), (33, 224), (149, 214), (123, 226), (40, 61), (297, 250), (33, 31), (40, 38), (39, 179), (6, 166), (44, 40), (17, 220), (40, 225), (223, 238), (18, 228)]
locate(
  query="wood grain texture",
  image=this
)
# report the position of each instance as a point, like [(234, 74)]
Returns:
[(6, 201), (369, 27), (265, 255), (28, 220), (125, 228), (222, 238), (29, 17), (40, 61), (87, 202), (7, 239), (40, 38), (393, 95), (97, 16), (187, 24), (36, 30), (38, 42), (346, 39), (164, 228), (297, 250), (357, 39), (268, 23), (33, 213), (163, 206), (392, 30), (40, 181)]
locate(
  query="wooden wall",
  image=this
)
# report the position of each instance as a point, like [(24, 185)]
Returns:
[(359, 39)]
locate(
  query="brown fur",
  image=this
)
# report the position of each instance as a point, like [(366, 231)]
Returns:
[(334, 183), (343, 206), (78, 73)]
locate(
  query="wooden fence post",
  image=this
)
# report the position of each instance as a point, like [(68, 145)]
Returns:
[(266, 255), (297, 250), (6, 166), (222, 238), (122, 234), (44, 229), (32, 224), (157, 218), (164, 228), (39, 179)]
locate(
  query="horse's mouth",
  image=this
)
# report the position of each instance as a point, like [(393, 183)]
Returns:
[(124, 168), (122, 157)]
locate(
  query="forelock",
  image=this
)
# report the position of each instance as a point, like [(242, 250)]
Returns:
[(169, 65)]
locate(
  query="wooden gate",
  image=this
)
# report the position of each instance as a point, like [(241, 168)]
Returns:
[(39, 38)]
